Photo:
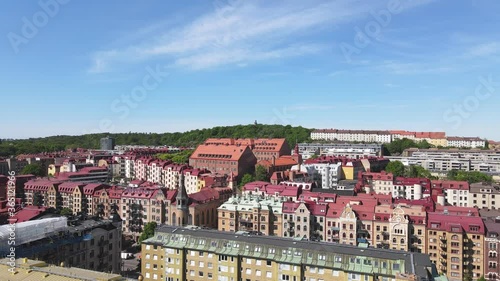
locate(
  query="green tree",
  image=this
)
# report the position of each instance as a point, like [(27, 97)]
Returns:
[(397, 168), (247, 178), (85, 205), (149, 231), (415, 171), (66, 212), (261, 173), (398, 146), (33, 169), (179, 158), (100, 211), (469, 176), (186, 139), (482, 278), (38, 199), (59, 202)]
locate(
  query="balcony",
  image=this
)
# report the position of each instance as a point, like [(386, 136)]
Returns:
[(444, 255), (444, 262), (443, 239), (444, 247)]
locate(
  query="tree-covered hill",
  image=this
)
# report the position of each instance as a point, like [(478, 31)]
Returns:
[(190, 138)]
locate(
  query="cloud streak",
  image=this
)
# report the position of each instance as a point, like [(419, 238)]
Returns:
[(316, 107), (245, 33)]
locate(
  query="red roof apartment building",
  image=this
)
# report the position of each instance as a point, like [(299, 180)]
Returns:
[(263, 149), (224, 159)]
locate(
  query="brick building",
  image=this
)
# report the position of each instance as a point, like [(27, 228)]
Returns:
[(224, 159)]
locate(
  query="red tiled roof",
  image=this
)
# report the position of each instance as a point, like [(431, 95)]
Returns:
[(456, 210), (459, 185), (290, 207), (69, 187), (90, 189), (318, 209), (335, 210), (364, 212), (457, 224), (206, 194), (221, 152), (28, 213)]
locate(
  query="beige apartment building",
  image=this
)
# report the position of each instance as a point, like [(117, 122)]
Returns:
[(251, 213), (456, 245), (194, 254)]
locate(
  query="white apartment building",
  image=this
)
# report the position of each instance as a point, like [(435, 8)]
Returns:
[(129, 167), (456, 192), (469, 142), (409, 188), (447, 160), (325, 174), (352, 135)]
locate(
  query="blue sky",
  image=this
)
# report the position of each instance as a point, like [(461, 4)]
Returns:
[(74, 67)]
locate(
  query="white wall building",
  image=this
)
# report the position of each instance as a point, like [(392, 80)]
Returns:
[(352, 135), (465, 142), (326, 175)]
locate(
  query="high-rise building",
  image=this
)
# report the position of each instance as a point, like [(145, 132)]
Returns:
[(107, 143)]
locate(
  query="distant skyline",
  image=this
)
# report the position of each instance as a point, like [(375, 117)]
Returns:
[(73, 67)]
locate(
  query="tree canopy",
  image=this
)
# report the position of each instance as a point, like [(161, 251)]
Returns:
[(261, 173), (38, 199), (34, 169), (149, 231), (186, 139), (179, 158), (247, 178), (66, 212), (469, 176), (397, 147), (397, 168)]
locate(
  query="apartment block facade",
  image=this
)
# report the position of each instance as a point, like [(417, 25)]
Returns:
[(352, 135), (177, 254)]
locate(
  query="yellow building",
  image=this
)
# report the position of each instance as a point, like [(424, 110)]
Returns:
[(198, 254), (251, 213), (438, 142), (456, 245)]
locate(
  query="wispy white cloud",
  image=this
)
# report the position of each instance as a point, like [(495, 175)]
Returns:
[(316, 107), (390, 85), (394, 67), (337, 73), (247, 32), (484, 50)]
